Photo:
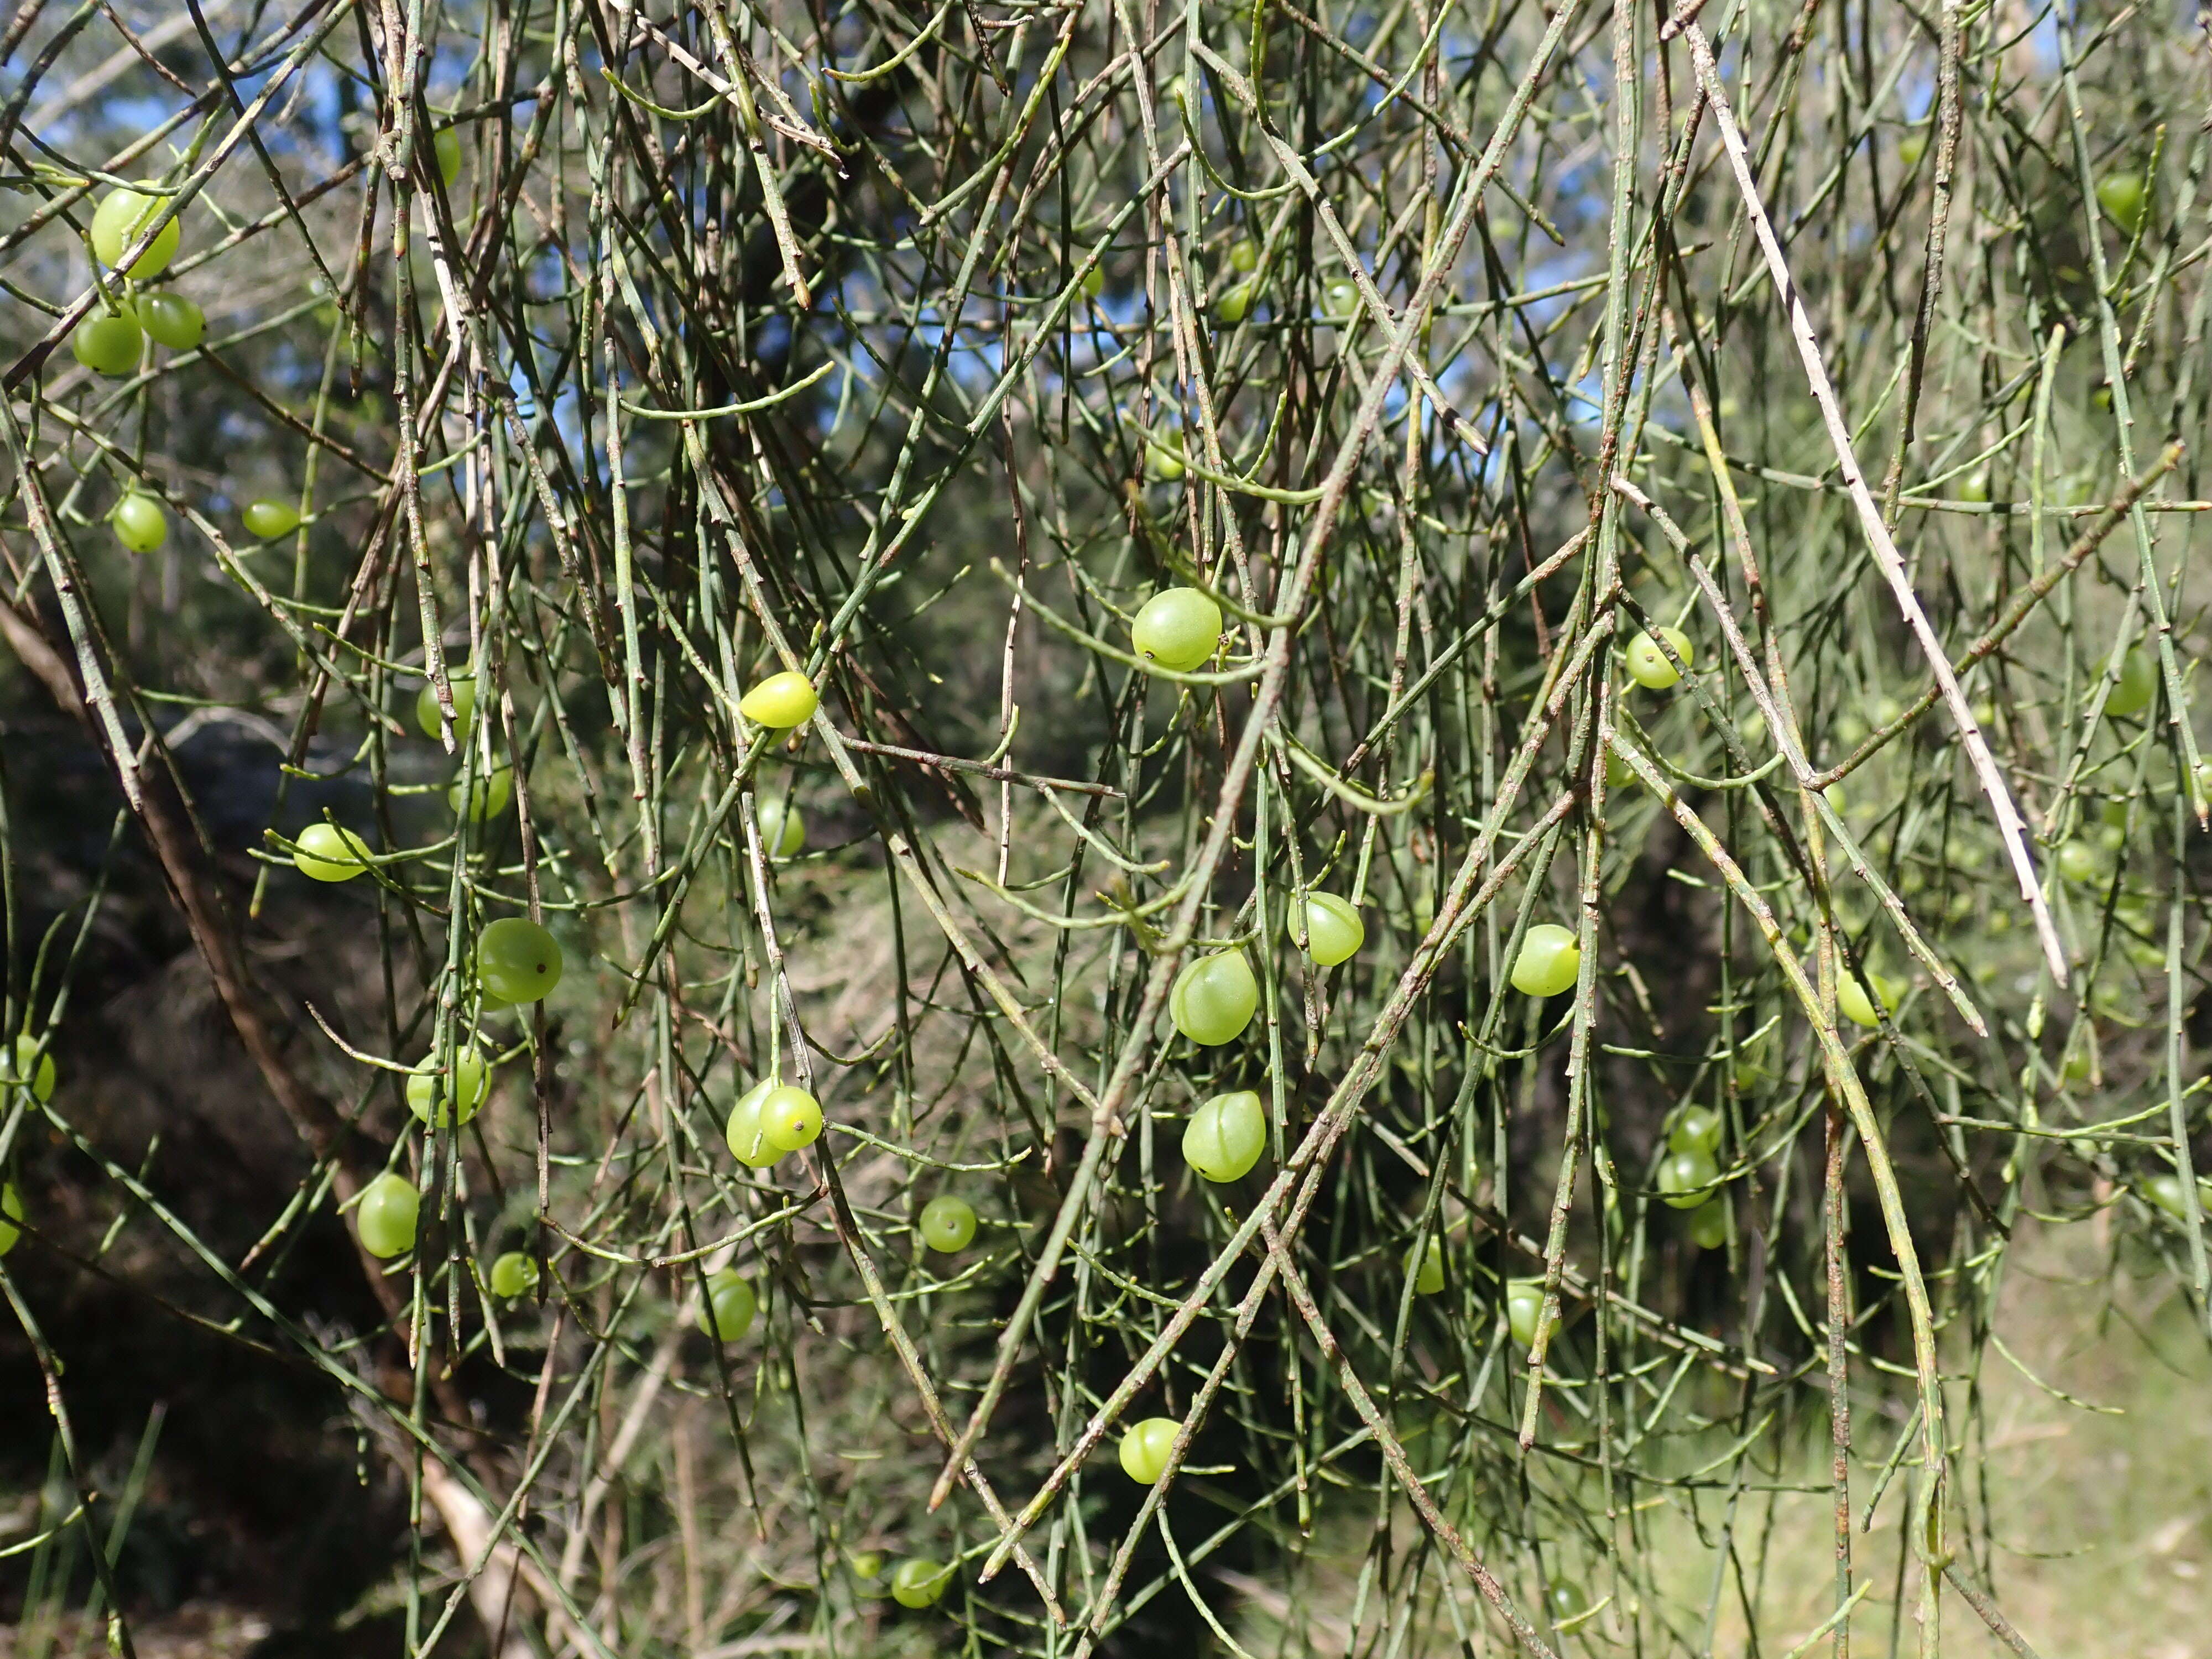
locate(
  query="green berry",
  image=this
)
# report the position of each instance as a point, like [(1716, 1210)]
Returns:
[(464, 688), (747, 1141), (386, 1216), (513, 1276), (330, 853), (1708, 1224), (1695, 1129), (139, 523), (1214, 998), (267, 518), (919, 1582), (1524, 1303), (1685, 1179), (11, 1206), (487, 798), (1177, 627), (1429, 1275), (447, 146), (1225, 1136), (2123, 197), (781, 701), (29, 1067), (790, 1118), (1549, 962), (517, 961), (947, 1223), (783, 830), (1335, 932), (727, 1314), (172, 319), (107, 344), (1144, 1449), (2137, 686), (120, 219), (475, 1083), (1647, 664)]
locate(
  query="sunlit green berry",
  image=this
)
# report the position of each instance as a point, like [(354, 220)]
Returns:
[(487, 797), (1177, 627), (1429, 1273), (517, 961), (1340, 300), (1225, 1136), (1094, 282), (790, 1118), (447, 146), (386, 1216), (122, 217), (267, 518), (29, 1067), (1647, 663), (782, 829), (173, 320), (866, 1564), (107, 344), (727, 1313), (1244, 256), (2123, 197), (1144, 1449), (1708, 1224), (327, 852), (1911, 148), (2165, 1190), (1335, 932), (1525, 1305), (1549, 962), (1163, 456), (1975, 486), (1685, 1179), (139, 523), (1235, 302), (947, 1223), (1695, 1129), (2079, 862), (781, 701), (918, 1582), (513, 1276), (1853, 1004), (1214, 997), (2137, 684), (474, 1078), (462, 686), (11, 1209), (747, 1140)]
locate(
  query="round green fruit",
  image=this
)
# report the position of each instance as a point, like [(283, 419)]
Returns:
[(727, 1314), (1853, 1003), (1094, 282), (386, 1216), (1647, 664), (947, 1223), (1335, 932), (107, 344), (1685, 1179), (1244, 256), (268, 519), (517, 961), (1340, 301), (1235, 304), (487, 798), (464, 688), (139, 523), (2137, 686), (1144, 1449), (920, 1582), (2165, 1190), (1177, 627), (30, 1068), (1429, 1276), (2078, 861), (1549, 962), (866, 1564), (122, 217), (781, 701), (447, 146), (1163, 456), (747, 1140), (1911, 148), (330, 853), (1214, 998), (1225, 1136), (173, 320), (1695, 1129), (1524, 1304), (2123, 197), (11, 1208), (475, 1083), (513, 1276), (1708, 1224), (782, 829), (790, 1118)]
